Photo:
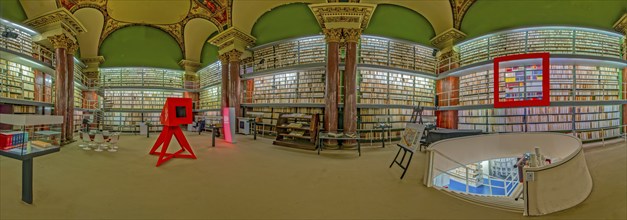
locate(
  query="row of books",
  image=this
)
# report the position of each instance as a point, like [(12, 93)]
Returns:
[(141, 76), (211, 98)]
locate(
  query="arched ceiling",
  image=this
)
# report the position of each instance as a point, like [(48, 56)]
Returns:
[(486, 16), (414, 27), (438, 13), (196, 33), (12, 10), (150, 13), (93, 21), (246, 12), (273, 26)]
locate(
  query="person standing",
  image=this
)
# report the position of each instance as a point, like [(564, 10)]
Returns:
[(201, 125)]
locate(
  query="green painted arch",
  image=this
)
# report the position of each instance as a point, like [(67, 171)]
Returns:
[(141, 46), (12, 10), (286, 21), (399, 22), (488, 16), (209, 53)]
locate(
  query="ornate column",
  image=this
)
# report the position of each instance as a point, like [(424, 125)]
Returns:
[(332, 94), (235, 91), (341, 21), (351, 37), (621, 26), (224, 62), (447, 89), (60, 43), (69, 120), (58, 29)]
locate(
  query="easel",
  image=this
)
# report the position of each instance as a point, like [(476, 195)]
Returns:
[(408, 145)]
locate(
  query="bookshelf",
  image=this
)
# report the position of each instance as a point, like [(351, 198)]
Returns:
[(590, 123), (306, 86), (137, 99), (400, 54), (210, 75), (210, 98), (78, 96), (16, 81), (380, 87), (268, 122), (291, 52), (556, 40), (568, 83), (297, 130), (141, 77), (23, 44)]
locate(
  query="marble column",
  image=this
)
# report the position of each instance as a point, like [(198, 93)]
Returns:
[(224, 61), (350, 82), (69, 121), (234, 81), (60, 43), (333, 37)]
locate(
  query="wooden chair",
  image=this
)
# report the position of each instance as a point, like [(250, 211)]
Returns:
[(410, 141)]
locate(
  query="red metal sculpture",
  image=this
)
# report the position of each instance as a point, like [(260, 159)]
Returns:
[(176, 111)]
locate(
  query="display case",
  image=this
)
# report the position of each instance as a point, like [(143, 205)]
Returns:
[(24, 136)]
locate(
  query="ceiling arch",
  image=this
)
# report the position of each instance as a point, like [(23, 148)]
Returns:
[(141, 45), (150, 13), (93, 21), (438, 13), (481, 17), (385, 22), (195, 35), (246, 13), (273, 25), (12, 10), (38, 7)]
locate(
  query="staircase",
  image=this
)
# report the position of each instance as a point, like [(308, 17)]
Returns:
[(505, 203)]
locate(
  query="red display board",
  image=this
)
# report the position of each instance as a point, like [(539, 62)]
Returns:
[(176, 111), (528, 98)]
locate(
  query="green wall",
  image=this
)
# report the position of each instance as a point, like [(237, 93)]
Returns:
[(287, 21), (141, 46), (12, 10), (486, 16), (209, 53), (400, 22)]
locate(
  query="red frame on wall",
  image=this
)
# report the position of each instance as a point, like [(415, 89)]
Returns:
[(546, 88)]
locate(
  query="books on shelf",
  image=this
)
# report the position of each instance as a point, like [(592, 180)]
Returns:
[(210, 75), (137, 99), (141, 77), (377, 87), (292, 87), (295, 52), (398, 54)]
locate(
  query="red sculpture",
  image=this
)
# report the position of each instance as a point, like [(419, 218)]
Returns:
[(176, 111)]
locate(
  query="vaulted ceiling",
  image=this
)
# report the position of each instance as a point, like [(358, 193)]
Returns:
[(189, 23)]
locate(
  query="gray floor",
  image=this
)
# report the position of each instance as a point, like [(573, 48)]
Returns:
[(256, 180)]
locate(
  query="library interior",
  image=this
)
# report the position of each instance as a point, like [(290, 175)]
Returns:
[(313, 109)]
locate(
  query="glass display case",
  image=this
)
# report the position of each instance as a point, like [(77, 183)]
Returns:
[(24, 135)]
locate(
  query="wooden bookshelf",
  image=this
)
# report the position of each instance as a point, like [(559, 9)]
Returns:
[(378, 87), (210, 98), (293, 87), (587, 122), (287, 53), (210, 75), (23, 44), (16, 81), (556, 40), (137, 99), (396, 53), (297, 130), (141, 77)]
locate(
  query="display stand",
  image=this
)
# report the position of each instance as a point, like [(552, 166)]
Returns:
[(176, 111), (257, 117), (409, 142), (22, 150)]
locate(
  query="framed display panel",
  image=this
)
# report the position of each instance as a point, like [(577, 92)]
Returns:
[(528, 86)]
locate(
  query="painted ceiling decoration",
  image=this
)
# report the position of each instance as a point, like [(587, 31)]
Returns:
[(460, 7), (123, 13)]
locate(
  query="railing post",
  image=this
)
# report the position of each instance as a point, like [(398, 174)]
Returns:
[(467, 183)]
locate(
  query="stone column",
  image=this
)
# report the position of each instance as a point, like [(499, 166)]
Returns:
[(332, 37), (69, 121), (60, 43), (224, 61), (234, 81), (350, 82)]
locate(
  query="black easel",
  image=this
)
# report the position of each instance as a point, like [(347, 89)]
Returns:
[(416, 116)]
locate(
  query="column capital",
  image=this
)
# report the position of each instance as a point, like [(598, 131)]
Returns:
[(234, 55), (93, 60), (343, 15), (332, 34), (55, 22), (352, 35), (224, 58), (447, 38), (60, 41), (71, 47), (621, 24), (233, 39), (189, 65)]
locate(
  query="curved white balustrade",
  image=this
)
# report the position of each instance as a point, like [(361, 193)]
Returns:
[(564, 183)]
